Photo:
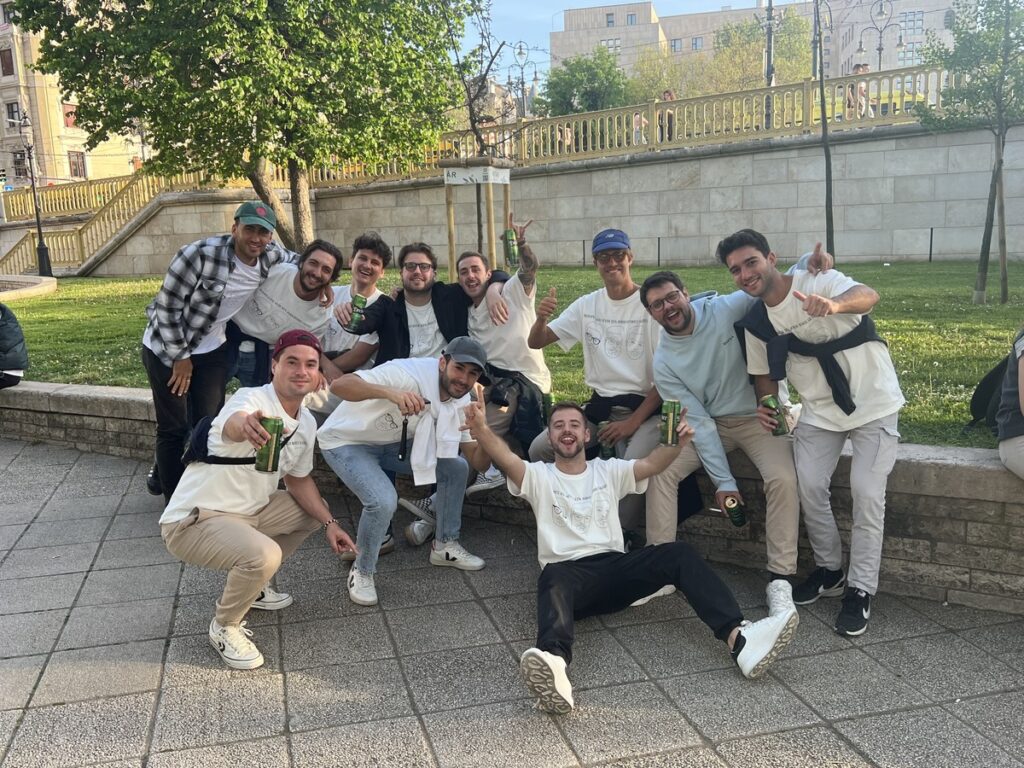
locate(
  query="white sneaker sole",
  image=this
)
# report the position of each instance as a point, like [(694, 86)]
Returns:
[(462, 565), (541, 681), (781, 642), (489, 485), (237, 663), (260, 605)]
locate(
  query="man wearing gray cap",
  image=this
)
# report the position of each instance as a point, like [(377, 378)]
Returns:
[(183, 347), (406, 417)]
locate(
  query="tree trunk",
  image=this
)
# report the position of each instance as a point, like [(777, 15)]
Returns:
[(302, 216), (1004, 278), (830, 229), (479, 219), (986, 236), (262, 181)]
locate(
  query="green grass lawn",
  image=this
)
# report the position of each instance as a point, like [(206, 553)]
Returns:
[(88, 332)]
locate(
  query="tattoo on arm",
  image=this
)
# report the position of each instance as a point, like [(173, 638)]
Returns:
[(527, 267)]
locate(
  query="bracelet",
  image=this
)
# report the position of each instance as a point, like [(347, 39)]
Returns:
[(325, 526)]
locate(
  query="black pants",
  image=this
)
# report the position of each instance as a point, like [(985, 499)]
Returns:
[(610, 581), (175, 416)]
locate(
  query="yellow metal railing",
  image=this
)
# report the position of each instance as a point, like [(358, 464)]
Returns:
[(63, 199)]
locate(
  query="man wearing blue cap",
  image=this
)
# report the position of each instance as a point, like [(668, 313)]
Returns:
[(619, 338), (183, 347)]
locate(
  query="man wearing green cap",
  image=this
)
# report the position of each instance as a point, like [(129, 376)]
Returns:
[(183, 348)]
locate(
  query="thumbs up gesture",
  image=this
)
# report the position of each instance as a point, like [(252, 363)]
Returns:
[(815, 305), (547, 305)]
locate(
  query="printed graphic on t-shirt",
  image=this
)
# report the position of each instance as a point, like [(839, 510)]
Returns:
[(616, 339), (578, 513), (386, 423)]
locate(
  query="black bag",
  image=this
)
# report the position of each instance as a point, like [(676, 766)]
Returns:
[(985, 400), (198, 446)]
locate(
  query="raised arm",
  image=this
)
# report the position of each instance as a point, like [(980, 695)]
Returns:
[(354, 387), (858, 300), (495, 447), (540, 335), (657, 461)]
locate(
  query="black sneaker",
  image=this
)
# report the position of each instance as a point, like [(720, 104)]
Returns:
[(820, 583), (854, 615), (153, 481)]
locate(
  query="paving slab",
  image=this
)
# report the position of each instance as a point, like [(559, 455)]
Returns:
[(999, 717), (320, 697), (134, 526), (506, 576), (44, 561), (471, 676), (192, 661), (39, 593), (683, 758), (124, 552), (18, 676), (804, 748), (266, 753), (667, 648), (413, 587), (24, 634), (44, 533), (194, 613), (1005, 641), (434, 628), (64, 508), (120, 585), (365, 745), (19, 511), (10, 534), (117, 623), (109, 670), (353, 638)]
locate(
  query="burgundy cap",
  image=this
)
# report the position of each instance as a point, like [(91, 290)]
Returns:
[(294, 337)]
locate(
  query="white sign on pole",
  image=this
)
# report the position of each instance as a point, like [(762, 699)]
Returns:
[(476, 175)]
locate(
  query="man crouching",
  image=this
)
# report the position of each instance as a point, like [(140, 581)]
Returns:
[(586, 570), (228, 516)]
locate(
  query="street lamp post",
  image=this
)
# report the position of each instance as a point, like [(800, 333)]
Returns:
[(521, 53), (881, 19), (42, 252)]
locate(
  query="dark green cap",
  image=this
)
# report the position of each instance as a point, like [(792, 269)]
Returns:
[(257, 213)]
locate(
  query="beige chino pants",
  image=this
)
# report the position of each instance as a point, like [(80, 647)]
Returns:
[(250, 548)]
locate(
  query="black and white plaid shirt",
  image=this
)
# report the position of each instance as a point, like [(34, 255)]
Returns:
[(189, 300)]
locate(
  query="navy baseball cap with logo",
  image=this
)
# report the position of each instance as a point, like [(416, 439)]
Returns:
[(610, 240), (257, 213)]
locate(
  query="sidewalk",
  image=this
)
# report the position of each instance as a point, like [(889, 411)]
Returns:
[(104, 659)]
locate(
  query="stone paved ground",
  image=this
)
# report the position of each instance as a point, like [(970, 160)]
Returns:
[(104, 660)]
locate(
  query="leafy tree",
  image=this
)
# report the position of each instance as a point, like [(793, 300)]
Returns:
[(986, 90), (583, 84), (656, 71), (737, 62), (231, 86)]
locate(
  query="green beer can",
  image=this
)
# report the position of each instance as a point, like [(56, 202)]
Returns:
[(607, 451), (358, 313), (734, 510), (670, 410), (511, 248), (268, 458), (772, 402)]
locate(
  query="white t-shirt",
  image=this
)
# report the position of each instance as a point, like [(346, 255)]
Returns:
[(336, 338), (868, 367), (425, 339), (242, 282), (618, 337), (274, 308), (240, 489), (506, 345), (377, 421), (577, 515)]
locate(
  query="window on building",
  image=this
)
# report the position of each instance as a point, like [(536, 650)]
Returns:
[(8, 13), (697, 43), (949, 19), (76, 164), (911, 55), (613, 44), (676, 45), (912, 22), (828, 38), (20, 166), (630, 19), (609, 19), (13, 116), (69, 114), (6, 62)]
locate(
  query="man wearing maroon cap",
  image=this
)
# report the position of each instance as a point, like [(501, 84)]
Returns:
[(231, 517), (183, 347)]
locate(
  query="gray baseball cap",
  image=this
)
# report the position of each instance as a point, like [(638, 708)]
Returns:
[(463, 349)]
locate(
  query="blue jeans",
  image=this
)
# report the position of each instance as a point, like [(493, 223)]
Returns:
[(363, 469)]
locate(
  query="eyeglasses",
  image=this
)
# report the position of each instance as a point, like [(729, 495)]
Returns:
[(669, 298), (412, 266), (605, 256)]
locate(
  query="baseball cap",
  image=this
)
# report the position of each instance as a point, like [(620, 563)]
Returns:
[(296, 337), (258, 213), (463, 349), (610, 240)]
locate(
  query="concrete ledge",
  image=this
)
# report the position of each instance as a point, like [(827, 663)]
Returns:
[(954, 526), (24, 286)]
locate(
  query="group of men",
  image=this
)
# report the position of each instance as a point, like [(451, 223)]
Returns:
[(437, 379)]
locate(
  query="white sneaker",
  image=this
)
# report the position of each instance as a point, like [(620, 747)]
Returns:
[(271, 600), (361, 590), (544, 674), (668, 589), (419, 532), (762, 641), (780, 597), (421, 508), (454, 554), (388, 545), (234, 646), (487, 481)]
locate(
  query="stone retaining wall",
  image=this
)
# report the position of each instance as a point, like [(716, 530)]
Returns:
[(954, 521)]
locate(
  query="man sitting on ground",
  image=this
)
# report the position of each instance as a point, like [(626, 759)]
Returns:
[(586, 569), (230, 517)]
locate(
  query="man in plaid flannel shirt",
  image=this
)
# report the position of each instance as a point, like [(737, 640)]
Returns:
[(183, 347)]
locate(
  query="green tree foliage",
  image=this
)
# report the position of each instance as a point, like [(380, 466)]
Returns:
[(227, 87), (985, 90), (737, 62), (656, 71), (583, 84)]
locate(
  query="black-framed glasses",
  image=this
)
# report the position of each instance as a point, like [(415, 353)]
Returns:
[(668, 298), (412, 266), (605, 256)]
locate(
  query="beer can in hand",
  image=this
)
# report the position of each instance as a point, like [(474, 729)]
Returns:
[(670, 410), (734, 509), (268, 458), (772, 402), (358, 313), (511, 248)]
